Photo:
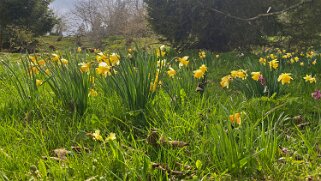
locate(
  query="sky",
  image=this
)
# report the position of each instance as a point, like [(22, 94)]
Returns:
[(62, 6)]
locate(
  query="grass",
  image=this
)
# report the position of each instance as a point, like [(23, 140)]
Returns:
[(185, 135)]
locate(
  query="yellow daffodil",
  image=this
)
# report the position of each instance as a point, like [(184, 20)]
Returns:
[(101, 57), (296, 59), (97, 136), (203, 68), (314, 62), (239, 74), (202, 55), (111, 137), (171, 72), (103, 69), (161, 63), (198, 74), (47, 71), (272, 56), (79, 49), (301, 64), (84, 67), (183, 61), (114, 59), (217, 56), (64, 61), (55, 57), (309, 78), (38, 82), (225, 81), (130, 51), (41, 62), (161, 51), (34, 70), (235, 118), (274, 64), (92, 93), (256, 75), (33, 59), (262, 60), (285, 78)]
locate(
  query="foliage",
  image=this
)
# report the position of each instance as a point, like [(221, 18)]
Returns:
[(222, 25), (30, 16)]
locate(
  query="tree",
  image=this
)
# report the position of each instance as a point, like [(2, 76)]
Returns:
[(29, 15), (222, 24)]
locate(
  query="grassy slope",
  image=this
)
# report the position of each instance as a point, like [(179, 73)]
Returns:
[(268, 145)]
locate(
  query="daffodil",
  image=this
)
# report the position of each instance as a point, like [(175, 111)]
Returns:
[(198, 74), (314, 62), (309, 78), (38, 82), (79, 49), (161, 51), (225, 81), (217, 56), (34, 70), (64, 61), (103, 69), (171, 72), (301, 64), (161, 63), (272, 56), (32, 58), (92, 93), (183, 61), (55, 57), (114, 59), (202, 55), (239, 74), (256, 76), (285, 78), (97, 136), (41, 62), (235, 118), (274, 64), (101, 57), (111, 137), (262, 60), (203, 68), (84, 67)]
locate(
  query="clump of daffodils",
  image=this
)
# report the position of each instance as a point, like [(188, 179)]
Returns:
[(239, 74), (200, 73)]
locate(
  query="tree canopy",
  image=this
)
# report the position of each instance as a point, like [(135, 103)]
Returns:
[(226, 24), (31, 16)]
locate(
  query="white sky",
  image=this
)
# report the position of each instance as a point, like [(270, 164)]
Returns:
[(62, 6)]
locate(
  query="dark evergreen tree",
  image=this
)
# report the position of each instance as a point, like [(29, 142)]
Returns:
[(31, 16)]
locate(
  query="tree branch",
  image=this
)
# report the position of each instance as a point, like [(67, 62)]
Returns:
[(295, 6)]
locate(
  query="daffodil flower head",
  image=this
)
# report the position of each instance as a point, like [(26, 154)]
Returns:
[(285, 78), (199, 74), (256, 76), (171, 72), (225, 81), (111, 137), (274, 64), (309, 78), (183, 61), (97, 136)]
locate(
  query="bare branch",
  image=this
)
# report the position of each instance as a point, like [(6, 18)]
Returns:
[(293, 7)]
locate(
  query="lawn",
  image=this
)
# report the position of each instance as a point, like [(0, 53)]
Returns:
[(160, 115)]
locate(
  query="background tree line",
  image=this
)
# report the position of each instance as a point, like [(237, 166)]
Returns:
[(206, 24), (228, 24)]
